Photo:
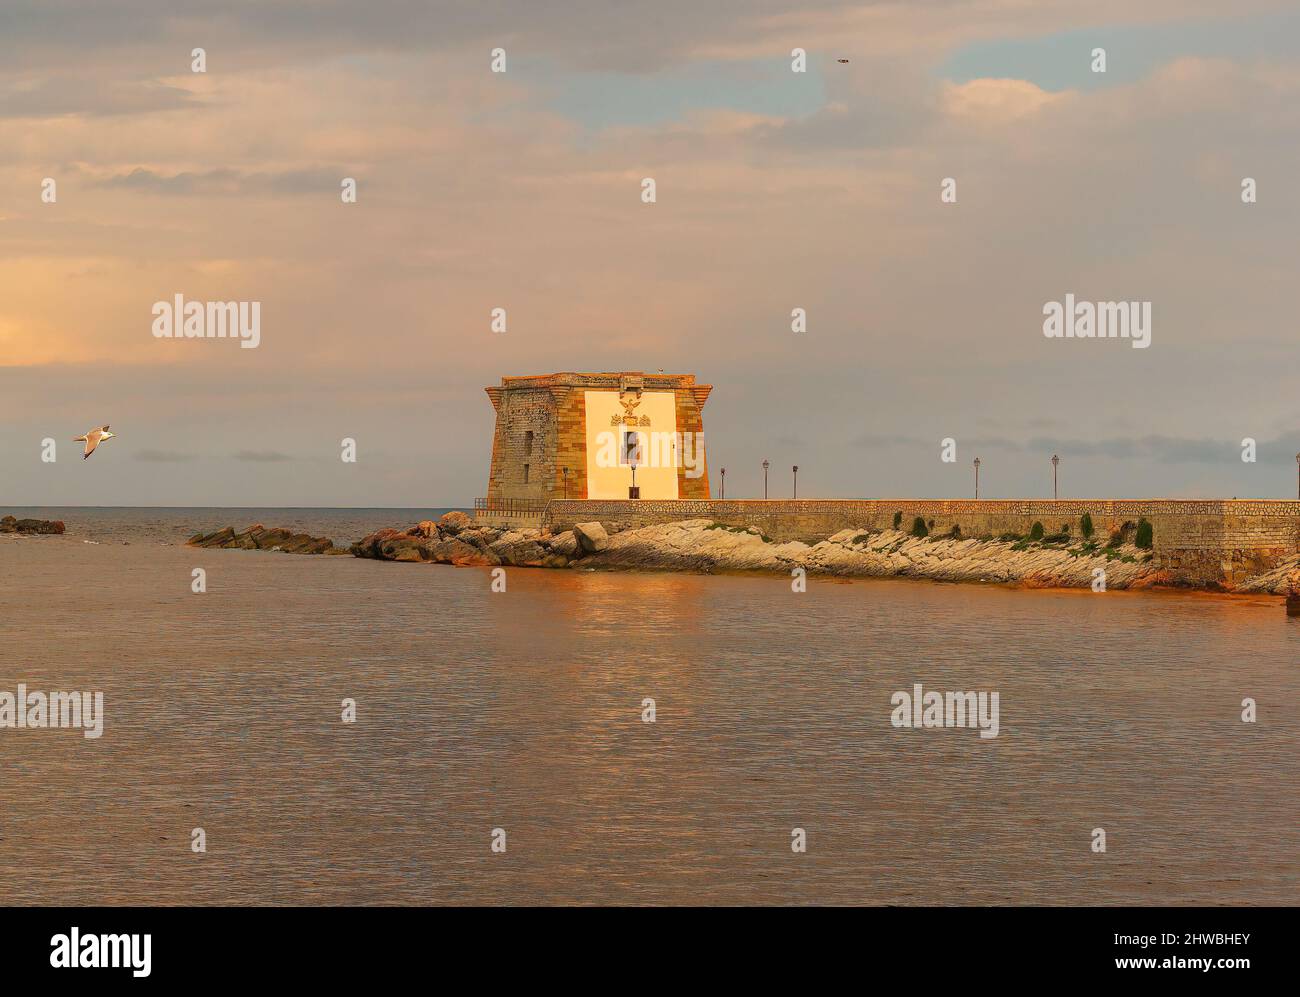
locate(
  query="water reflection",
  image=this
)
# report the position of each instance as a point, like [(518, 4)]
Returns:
[(523, 710)]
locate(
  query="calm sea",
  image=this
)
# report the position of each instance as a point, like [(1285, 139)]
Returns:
[(522, 710), (163, 524)]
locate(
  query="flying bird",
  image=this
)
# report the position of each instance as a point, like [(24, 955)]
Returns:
[(94, 438), (845, 61)]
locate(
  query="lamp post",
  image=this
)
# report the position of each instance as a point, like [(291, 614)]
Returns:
[(796, 481), (977, 479), (1297, 475), (1055, 460), (724, 484), (566, 481), (632, 492), (766, 465)]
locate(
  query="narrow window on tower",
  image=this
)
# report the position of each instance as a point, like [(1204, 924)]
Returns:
[(525, 474), (631, 447), (528, 443)]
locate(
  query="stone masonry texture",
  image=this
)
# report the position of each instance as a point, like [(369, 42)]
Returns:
[(541, 432), (1197, 541)]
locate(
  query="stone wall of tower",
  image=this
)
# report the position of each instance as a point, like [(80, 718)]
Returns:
[(693, 484), (523, 466), (553, 408), (571, 449)]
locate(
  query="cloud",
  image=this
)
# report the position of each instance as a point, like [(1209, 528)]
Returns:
[(872, 440), (52, 98), (1162, 449), (163, 456), (224, 181), (1000, 101), (588, 34)]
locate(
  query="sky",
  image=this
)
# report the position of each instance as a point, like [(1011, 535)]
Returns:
[(522, 190)]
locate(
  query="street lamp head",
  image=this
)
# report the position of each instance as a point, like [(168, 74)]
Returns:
[(766, 465), (796, 469), (1056, 459), (977, 462)]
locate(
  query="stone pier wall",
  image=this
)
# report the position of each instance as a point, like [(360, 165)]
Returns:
[(1199, 541)]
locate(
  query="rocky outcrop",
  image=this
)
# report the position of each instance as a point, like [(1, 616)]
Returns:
[(457, 539), (591, 537), (47, 526), (1282, 580), (701, 545), (258, 537), (455, 521)]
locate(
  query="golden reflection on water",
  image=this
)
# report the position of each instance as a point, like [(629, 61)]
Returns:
[(523, 710)]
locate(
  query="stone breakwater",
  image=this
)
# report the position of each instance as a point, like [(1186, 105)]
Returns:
[(706, 546), (1282, 580), (1201, 543), (457, 539), (258, 537), (47, 526)]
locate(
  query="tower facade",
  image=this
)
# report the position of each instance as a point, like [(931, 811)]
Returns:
[(592, 435)]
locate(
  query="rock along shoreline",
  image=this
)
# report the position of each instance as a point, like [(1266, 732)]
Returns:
[(258, 537), (707, 547), (8, 524), (703, 546)]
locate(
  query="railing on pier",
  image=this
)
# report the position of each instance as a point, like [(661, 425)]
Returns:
[(509, 507)]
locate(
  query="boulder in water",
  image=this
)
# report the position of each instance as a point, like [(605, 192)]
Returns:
[(258, 537), (44, 526)]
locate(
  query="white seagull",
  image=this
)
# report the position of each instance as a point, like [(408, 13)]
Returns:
[(94, 438)]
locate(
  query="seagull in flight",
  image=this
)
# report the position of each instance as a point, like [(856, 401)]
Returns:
[(94, 438)]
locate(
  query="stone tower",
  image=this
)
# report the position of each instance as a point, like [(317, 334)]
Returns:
[(583, 434)]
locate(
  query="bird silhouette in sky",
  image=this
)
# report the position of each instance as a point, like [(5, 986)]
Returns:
[(94, 438)]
